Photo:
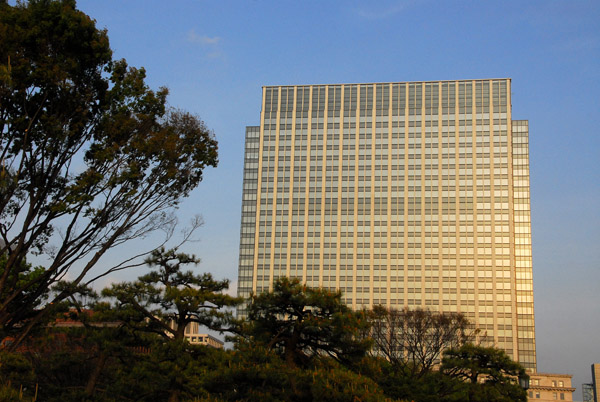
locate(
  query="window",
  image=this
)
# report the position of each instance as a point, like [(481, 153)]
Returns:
[(562, 396), (554, 395), (561, 383), (553, 383)]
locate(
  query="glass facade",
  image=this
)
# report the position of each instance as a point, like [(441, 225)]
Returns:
[(410, 194)]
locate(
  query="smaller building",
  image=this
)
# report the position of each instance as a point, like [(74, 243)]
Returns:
[(588, 392), (193, 336), (591, 391), (204, 339), (550, 387)]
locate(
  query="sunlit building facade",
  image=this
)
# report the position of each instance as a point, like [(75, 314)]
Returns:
[(547, 387), (407, 194)]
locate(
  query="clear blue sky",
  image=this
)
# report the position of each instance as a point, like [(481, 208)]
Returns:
[(215, 56)]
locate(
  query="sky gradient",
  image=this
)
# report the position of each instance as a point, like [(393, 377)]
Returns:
[(215, 56)]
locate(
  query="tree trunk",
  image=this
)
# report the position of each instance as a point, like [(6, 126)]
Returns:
[(95, 375), (174, 396)]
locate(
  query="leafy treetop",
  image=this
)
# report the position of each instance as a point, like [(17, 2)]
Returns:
[(166, 300), (91, 157), (301, 322), (490, 373)]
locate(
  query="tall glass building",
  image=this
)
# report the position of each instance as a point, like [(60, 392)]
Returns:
[(405, 194)]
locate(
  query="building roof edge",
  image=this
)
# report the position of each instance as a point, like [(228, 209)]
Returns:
[(384, 82)]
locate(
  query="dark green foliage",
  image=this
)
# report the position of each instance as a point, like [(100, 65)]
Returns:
[(64, 364), (9, 393), (79, 360), (299, 323), (254, 373), (163, 302), (132, 359), (335, 383), (166, 300), (429, 387), (134, 349), (31, 297), (87, 151), (170, 371), (16, 371), (489, 373)]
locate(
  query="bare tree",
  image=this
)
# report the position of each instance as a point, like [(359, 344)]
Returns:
[(414, 340)]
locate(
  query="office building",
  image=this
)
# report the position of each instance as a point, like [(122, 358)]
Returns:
[(406, 194)]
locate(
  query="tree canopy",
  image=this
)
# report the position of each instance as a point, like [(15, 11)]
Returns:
[(301, 322), (91, 156), (490, 374), (299, 344), (168, 299)]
